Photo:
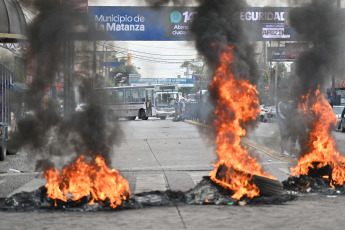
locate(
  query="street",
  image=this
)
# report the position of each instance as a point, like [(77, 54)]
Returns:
[(159, 155)]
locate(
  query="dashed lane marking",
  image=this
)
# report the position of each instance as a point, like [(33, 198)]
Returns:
[(285, 170), (30, 186), (245, 141)]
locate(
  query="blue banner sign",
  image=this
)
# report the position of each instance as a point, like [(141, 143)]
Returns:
[(139, 23), (110, 63), (143, 23), (181, 82)]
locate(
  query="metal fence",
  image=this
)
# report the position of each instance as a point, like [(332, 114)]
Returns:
[(200, 111), (5, 83)]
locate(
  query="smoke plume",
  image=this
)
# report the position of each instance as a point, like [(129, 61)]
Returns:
[(216, 27), (44, 132), (322, 24)]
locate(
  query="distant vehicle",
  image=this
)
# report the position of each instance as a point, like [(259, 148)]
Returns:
[(138, 101), (80, 107), (263, 115), (337, 111), (272, 113), (6, 77)]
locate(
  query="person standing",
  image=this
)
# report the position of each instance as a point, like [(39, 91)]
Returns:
[(342, 117), (283, 109), (330, 99)]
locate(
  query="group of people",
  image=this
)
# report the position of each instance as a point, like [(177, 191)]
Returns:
[(180, 109)]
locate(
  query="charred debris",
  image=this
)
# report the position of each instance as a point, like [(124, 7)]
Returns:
[(206, 192)]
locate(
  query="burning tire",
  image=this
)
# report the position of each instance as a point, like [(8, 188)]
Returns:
[(268, 187)]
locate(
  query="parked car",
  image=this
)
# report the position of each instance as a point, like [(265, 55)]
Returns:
[(263, 116), (272, 112), (337, 111), (80, 107)]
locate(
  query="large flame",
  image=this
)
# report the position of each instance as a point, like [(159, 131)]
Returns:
[(84, 178), (237, 105), (321, 144)]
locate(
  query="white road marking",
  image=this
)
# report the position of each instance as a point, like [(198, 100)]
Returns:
[(30, 186), (150, 182), (285, 170)]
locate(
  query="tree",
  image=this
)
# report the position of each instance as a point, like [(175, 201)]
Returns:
[(120, 71)]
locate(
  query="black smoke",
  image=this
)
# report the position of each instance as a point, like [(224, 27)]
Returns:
[(216, 26), (321, 24), (43, 131), (157, 3)]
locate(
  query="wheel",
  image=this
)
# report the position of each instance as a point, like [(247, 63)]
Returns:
[(3, 149), (163, 118), (130, 118), (11, 150), (142, 115), (262, 118)]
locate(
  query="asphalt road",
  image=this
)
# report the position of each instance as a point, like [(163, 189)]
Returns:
[(160, 155)]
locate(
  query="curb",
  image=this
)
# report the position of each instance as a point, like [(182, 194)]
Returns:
[(245, 141)]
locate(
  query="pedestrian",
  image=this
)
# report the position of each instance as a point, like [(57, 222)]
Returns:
[(330, 99), (341, 119), (283, 109), (176, 109)]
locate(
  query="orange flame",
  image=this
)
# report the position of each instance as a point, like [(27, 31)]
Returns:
[(84, 178), (237, 105), (321, 144)]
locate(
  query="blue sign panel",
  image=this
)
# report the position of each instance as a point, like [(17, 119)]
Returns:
[(143, 23), (139, 23), (181, 82), (110, 63)]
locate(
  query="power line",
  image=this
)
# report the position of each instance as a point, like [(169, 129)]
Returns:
[(166, 55), (150, 59), (151, 46)]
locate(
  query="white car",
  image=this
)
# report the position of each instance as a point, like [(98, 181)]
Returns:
[(80, 107), (263, 116)]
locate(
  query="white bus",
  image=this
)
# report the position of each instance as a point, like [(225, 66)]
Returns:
[(138, 101)]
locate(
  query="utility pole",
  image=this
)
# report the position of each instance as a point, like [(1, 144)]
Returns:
[(333, 77), (276, 81), (94, 64), (68, 78)]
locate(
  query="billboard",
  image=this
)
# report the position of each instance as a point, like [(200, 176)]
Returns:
[(140, 23), (268, 23), (288, 53), (143, 23)]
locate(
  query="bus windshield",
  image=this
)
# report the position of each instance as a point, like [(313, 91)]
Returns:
[(166, 98)]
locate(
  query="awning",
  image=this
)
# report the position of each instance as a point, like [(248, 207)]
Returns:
[(12, 21), (20, 87)]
